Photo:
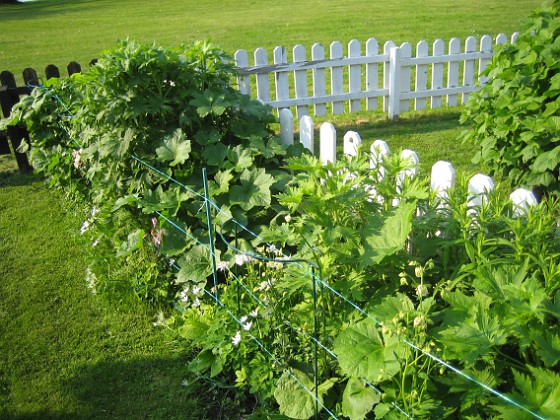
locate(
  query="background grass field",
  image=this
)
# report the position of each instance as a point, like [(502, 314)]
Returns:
[(45, 32), (65, 354)]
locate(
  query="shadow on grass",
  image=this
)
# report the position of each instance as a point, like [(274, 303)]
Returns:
[(139, 389), (40, 8)]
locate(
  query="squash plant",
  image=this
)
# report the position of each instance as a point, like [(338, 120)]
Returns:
[(142, 116), (515, 117)]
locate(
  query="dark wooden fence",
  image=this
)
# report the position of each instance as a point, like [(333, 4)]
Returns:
[(10, 94)]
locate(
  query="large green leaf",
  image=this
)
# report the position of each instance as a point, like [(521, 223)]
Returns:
[(547, 160), (362, 353), (196, 265), (358, 399), (294, 394), (253, 189), (175, 149), (134, 241), (386, 233)]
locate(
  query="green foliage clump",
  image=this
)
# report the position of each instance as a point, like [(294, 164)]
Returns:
[(515, 117), (381, 276), (141, 116)]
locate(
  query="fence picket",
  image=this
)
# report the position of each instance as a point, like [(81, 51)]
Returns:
[(263, 81), (286, 126), (30, 77), (281, 77), (485, 46), (307, 133), (453, 71), (319, 83), (479, 187), (522, 199), (469, 69), (327, 143), (51, 71), (387, 47), (337, 78), (372, 73), (352, 141), (501, 39), (405, 77), (437, 73), (421, 83), (243, 81), (442, 178), (355, 75), (300, 79)]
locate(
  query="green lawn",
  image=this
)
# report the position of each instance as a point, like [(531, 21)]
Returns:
[(64, 353), (57, 31)]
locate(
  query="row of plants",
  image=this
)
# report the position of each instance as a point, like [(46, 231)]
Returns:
[(323, 286)]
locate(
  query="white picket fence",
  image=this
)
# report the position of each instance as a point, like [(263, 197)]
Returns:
[(442, 173), (401, 80)]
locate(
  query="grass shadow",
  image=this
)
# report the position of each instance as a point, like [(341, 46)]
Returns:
[(41, 8)]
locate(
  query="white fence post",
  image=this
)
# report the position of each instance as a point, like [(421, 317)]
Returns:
[(479, 187), (379, 149), (327, 146), (307, 133), (352, 141), (442, 180), (287, 126), (394, 83), (522, 199), (412, 171)]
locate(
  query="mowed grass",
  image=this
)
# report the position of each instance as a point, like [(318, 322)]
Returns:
[(63, 352), (56, 32)]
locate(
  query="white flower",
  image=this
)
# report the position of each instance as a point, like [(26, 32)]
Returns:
[(247, 326), (85, 226), (272, 249), (241, 259), (91, 280), (184, 295), (223, 265), (236, 339), (243, 319), (254, 313), (95, 243), (196, 303), (196, 290)]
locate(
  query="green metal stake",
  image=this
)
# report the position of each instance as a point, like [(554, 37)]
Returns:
[(210, 233), (315, 349)]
